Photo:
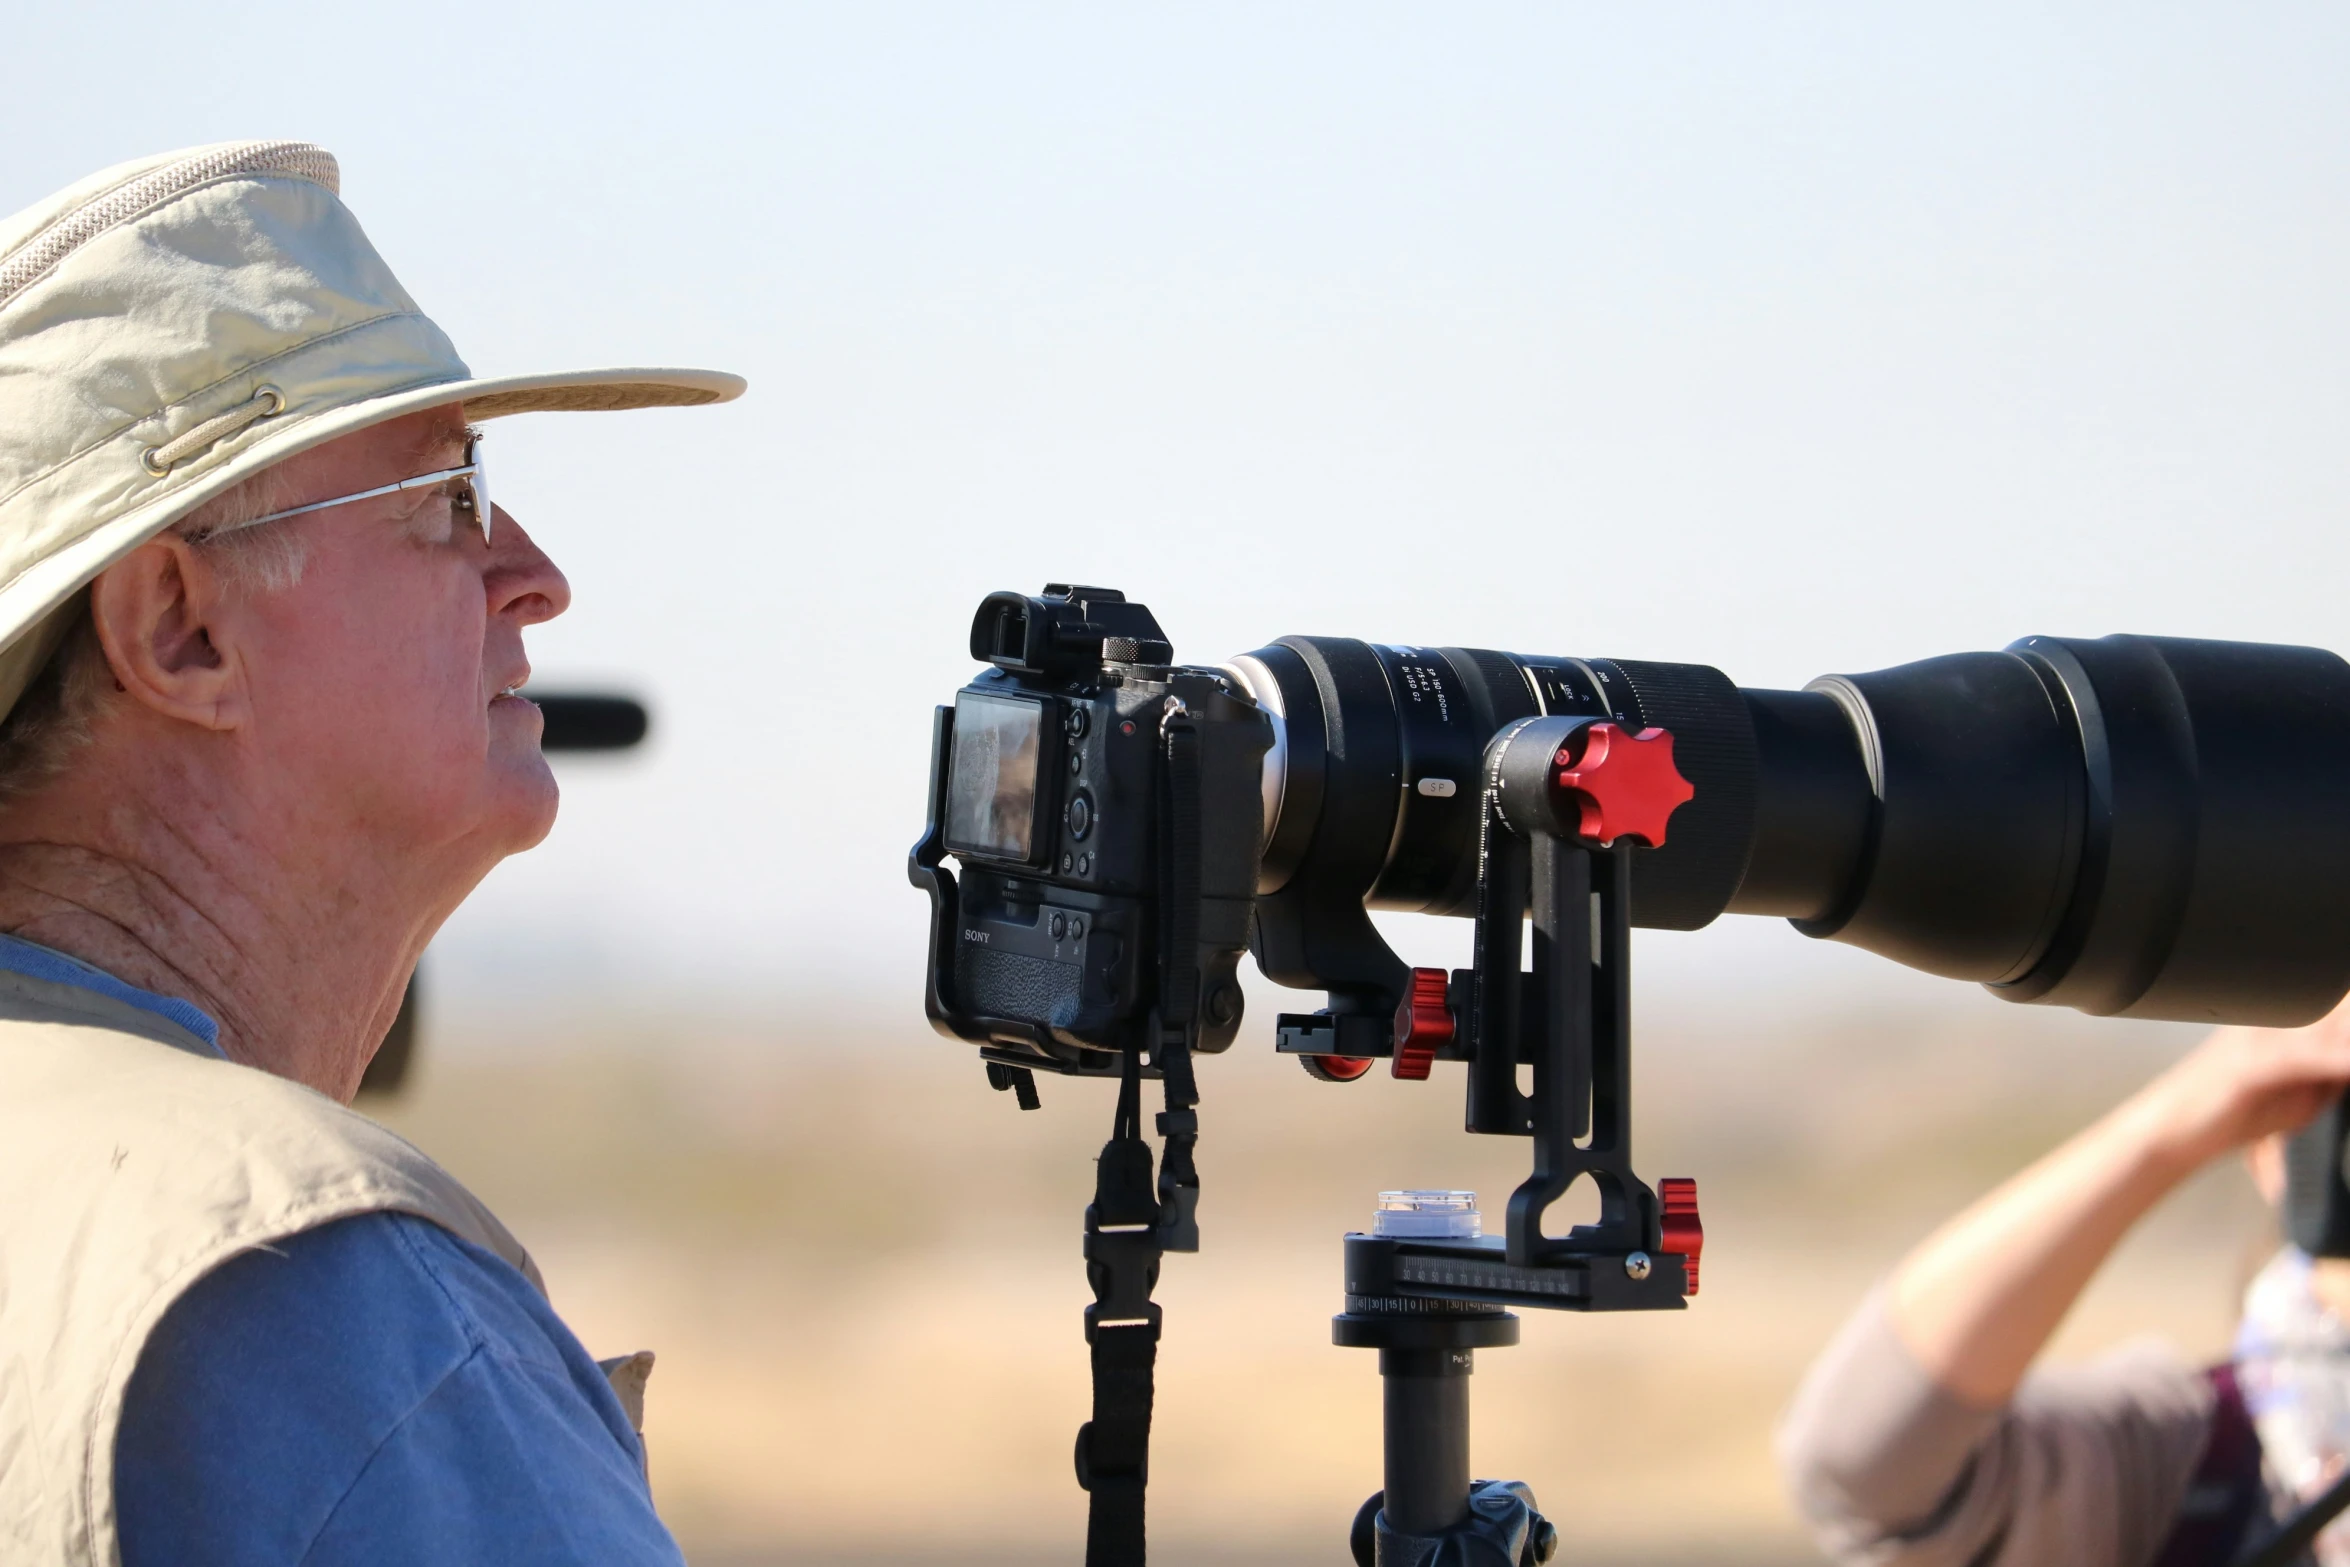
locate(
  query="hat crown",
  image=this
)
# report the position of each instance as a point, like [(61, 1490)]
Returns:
[(46, 233), (145, 300)]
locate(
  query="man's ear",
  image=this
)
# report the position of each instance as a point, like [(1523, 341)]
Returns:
[(158, 615)]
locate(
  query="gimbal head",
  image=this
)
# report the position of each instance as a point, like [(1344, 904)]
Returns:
[(1565, 798)]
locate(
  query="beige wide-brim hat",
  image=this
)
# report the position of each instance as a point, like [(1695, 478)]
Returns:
[(170, 327)]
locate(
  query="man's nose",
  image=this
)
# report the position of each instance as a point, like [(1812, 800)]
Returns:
[(523, 582)]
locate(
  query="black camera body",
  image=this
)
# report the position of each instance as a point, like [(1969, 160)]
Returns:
[(1106, 806)]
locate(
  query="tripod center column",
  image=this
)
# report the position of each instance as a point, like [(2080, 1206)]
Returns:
[(1427, 1349), (1426, 1437)]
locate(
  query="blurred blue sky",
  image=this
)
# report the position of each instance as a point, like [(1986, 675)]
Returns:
[(1788, 339)]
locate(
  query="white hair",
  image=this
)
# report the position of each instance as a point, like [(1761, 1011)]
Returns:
[(53, 720)]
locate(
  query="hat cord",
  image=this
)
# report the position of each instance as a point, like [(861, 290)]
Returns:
[(160, 460)]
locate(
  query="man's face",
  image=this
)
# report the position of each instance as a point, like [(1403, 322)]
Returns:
[(380, 681)]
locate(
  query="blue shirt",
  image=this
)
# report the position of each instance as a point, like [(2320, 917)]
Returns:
[(370, 1392), (19, 956)]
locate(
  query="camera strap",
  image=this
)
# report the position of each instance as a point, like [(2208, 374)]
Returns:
[(1122, 1325), (1129, 1226), (1177, 1018)]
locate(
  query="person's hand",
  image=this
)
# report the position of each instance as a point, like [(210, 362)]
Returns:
[(2243, 1084)]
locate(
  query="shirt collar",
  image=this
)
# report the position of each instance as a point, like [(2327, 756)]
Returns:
[(18, 956)]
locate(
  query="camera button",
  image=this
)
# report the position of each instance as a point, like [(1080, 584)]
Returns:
[(1077, 724), (1060, 926), (1080, 817)]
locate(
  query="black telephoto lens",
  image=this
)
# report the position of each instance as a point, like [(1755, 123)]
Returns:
[(2135, 826)]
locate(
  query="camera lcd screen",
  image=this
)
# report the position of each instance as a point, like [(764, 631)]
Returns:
[(991, 780)]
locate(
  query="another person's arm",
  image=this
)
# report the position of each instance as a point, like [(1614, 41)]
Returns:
[(1978, 1300), (1909, 1442)]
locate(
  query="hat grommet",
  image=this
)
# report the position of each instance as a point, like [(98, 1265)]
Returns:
[(266, 402)]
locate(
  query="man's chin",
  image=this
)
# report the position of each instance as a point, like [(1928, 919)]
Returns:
[(526, 803)]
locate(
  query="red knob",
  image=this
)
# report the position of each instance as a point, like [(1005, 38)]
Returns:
[(1335, 1069), (1682, 1231), (1622, 785), (1423, 1024)]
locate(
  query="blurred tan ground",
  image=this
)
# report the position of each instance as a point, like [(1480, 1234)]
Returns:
[(859, 1268)]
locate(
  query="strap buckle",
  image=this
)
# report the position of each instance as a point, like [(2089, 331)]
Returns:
[(1123, 1267)]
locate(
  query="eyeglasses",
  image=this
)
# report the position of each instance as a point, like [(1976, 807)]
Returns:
[(474, 494)]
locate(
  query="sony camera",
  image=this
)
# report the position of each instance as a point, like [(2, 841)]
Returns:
[(1105, 806)]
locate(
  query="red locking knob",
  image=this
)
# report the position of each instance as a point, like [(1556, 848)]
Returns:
[(1622, 785), (1423, 1024), (1682, 1231), (1335, 1069)]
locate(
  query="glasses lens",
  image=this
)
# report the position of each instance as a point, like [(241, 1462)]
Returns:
[(477, 484)]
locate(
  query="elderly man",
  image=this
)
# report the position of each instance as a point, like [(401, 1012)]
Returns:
[(261, 643)]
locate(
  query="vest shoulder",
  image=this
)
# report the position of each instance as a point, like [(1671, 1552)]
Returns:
[(192, 1144)]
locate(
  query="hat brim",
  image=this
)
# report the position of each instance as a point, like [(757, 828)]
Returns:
[(484, 397), (583, 391), (27, 603)]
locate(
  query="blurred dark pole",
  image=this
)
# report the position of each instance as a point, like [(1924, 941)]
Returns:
[(389, 1066), (592, 723)]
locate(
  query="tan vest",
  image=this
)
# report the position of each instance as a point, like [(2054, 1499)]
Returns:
[(131, 1164)]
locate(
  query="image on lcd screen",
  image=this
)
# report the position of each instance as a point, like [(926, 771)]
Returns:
[(991, 780)]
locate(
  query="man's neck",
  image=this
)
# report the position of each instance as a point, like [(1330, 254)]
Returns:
[(302, 973)]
